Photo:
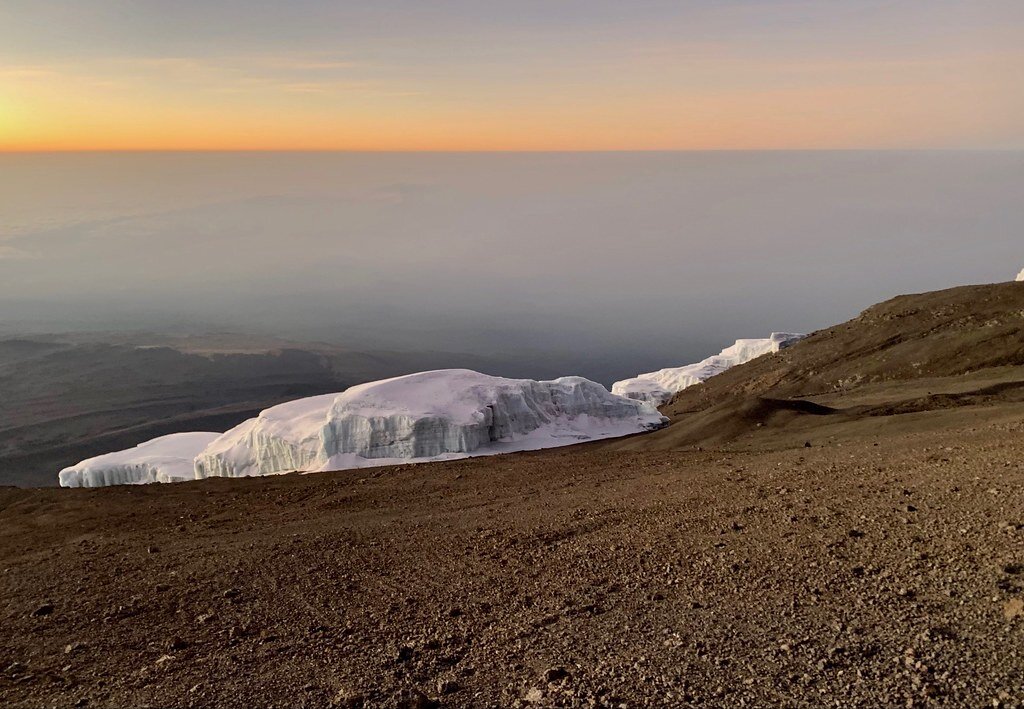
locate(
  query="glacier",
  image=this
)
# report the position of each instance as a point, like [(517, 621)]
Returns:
[(434, 415), (161, 460), (658, 387)]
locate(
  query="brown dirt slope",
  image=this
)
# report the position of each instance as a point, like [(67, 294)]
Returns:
[(927, 353), (864, 574)]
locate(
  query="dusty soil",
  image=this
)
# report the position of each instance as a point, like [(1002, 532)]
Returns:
[(885, 572)]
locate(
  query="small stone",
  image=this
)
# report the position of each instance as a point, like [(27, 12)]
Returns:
[(348, 700), (1013, 608), (404, 653), (415, 699), (152, 549), (43, 610), (556, 674), (447, 685), (176, 643), (535, 696), (231, 593), (855, 534)]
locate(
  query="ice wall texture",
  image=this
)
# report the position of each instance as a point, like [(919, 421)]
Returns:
[(161, 460), (426, 416), (658, 387)]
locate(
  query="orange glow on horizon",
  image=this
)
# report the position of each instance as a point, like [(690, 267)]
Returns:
[(955, 102)]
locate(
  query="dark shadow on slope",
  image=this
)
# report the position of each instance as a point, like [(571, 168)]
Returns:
[(995, 394), (735, 418)]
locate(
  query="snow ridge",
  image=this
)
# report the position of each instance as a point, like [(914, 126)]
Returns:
[(160, 460), (434, 415), (658, 387)]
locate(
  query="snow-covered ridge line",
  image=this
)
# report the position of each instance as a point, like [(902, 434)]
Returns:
[(658, 387), (434, 415), (160, 460)]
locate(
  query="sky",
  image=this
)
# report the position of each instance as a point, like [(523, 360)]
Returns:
[(498, 75)]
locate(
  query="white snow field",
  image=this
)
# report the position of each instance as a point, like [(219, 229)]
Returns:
[(658, 387), (161, 460), (1020, 276), (437, 415)]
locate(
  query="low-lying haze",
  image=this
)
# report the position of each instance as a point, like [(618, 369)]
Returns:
[(630, 261)]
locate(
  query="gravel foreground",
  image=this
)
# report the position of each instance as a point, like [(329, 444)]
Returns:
[(879, 572)]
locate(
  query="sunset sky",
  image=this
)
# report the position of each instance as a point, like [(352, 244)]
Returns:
[(523, 75)]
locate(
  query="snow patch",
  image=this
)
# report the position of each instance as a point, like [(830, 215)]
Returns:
[(161, 460), (658, 387), (436, 415), (1020, 276)]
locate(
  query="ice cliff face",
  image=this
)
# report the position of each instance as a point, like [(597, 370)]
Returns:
[(658, 387), (426, 416), (161, 460)]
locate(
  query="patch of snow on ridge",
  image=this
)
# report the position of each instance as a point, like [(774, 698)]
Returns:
[(642, 389), (161, 460), (1020, 276), (443, 414), (658, 387)]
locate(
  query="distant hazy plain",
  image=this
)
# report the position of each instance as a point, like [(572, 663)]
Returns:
[(629, 260)]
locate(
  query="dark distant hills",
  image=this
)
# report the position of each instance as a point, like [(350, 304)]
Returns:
[(69, 397)]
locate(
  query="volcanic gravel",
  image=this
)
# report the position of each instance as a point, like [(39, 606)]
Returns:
[(875, 572)]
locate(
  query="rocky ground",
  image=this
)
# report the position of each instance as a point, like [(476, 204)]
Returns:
[(840, 524), (885, 570)]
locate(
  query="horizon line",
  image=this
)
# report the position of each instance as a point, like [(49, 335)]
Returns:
[(71, 151)]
